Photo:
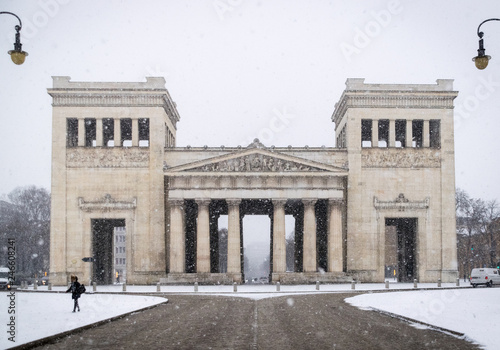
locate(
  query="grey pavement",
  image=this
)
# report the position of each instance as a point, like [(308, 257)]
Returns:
[(309, 321)]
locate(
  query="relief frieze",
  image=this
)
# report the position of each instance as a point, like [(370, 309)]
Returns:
[(255, 163), (401, 158), (101, 157), (401, 204)]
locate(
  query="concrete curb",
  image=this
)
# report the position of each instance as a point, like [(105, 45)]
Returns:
[(411, 320), (50, 339)]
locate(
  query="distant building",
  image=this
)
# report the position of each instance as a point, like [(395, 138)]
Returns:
[(120, 255), (391, 177)]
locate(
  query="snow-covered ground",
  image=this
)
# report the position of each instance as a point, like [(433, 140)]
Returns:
[(39, 315), (474, 312)]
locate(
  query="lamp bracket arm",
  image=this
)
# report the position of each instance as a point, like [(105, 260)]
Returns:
[(479, 33), (20, 26)]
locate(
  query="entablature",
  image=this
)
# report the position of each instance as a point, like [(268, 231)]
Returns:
[(151, 93), (420, 96), (255, 182)]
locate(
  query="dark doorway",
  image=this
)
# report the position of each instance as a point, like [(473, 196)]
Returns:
[(256, 229), (102, 248), (400, 249), (322, 234)]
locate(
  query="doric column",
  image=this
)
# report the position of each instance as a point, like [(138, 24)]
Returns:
[(177, 237), (117, 142), (203, 237), (279, 236), (135, 132), (409, 134), (233, 237), (392, 133), (98, 132), (374, 133), (310, 264), (81, 132), (426, 133), (335, 244)]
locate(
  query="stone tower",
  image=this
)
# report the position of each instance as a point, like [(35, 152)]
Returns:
[(108, 146), (400, 149)]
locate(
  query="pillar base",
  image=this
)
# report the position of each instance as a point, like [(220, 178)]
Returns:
[(145, 278), (201, 278), (59, 278), (310, 277), (449, 276)]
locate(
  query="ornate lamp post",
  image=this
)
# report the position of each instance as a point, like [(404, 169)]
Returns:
[(481, 60), (17, 55)]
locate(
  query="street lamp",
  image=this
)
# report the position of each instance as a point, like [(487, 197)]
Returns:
[(481, 60), (17, 55)]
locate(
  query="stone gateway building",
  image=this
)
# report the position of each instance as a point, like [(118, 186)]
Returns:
[(381, 203)]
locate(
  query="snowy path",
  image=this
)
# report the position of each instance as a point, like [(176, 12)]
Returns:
[(39, 315), (474, 312)]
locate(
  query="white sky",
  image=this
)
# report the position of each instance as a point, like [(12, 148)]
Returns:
[(232, 65)]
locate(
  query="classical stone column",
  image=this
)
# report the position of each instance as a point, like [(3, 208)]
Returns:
[(135, 132), (81, 132), (426, 132), (279, 236), (203, 237), (233, 239), (310, 263), (392, 133), (177, 237), (409, 134), (98, 132), (335, 244), (374, 133), (117, 142)]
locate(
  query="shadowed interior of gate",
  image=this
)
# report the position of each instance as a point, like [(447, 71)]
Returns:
[(102, 248)]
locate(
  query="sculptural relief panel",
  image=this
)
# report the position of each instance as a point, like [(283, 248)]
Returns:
[(255, 163), (401, 158), (86, 157)]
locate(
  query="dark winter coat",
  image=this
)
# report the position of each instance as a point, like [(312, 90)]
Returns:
[(74, 290)]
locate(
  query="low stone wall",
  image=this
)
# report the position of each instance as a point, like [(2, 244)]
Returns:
[(310, 277)]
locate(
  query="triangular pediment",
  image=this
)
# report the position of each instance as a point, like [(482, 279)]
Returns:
[(255, 160)]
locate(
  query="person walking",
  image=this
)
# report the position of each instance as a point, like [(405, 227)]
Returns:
[(75, 293)]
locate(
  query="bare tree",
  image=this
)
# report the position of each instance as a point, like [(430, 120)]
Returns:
[(490, 229), (28, 222), (478, 224)]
